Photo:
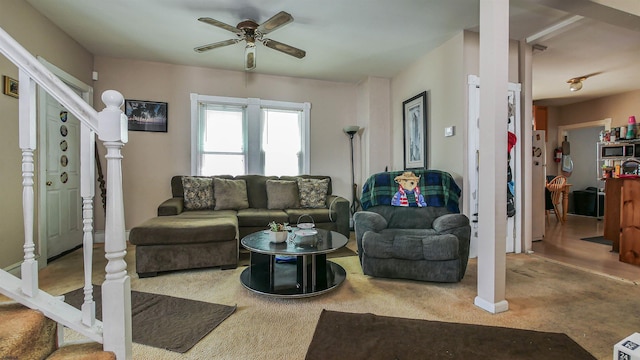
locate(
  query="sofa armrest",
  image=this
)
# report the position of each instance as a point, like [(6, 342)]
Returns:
[(449, 222), (173, 206), (368, 221), (364, 221), (341, 206), (458, 225)]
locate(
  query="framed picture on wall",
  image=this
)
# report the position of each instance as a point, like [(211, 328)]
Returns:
[(10, 86), (415, 131), (146, 115)]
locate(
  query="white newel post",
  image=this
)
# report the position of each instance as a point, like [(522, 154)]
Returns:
[(87, 191), (116, 290), (27, 134)]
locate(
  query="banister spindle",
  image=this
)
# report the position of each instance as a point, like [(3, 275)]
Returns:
[(87, 191), (27, 139)]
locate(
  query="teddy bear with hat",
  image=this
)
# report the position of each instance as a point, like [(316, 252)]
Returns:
[(408, 193)]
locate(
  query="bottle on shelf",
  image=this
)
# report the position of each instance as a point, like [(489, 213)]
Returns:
[(631, 129)]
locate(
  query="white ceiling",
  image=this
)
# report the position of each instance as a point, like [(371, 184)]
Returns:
[(351, 40)]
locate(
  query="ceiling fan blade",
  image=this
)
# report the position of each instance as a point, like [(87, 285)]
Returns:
[(220, 24), (204, 48), (280, 19), (287, 49)]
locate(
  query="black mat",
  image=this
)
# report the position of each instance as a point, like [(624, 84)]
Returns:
[(341, 335), (162, 321), (599, 240)]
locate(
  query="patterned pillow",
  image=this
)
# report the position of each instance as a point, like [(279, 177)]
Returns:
[(313, 192), (198, 193), (282, 194), (230, 194)]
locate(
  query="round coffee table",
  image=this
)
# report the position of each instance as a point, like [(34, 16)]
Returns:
[(295, 268)]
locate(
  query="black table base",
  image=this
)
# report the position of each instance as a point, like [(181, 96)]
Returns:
[(295, 278)]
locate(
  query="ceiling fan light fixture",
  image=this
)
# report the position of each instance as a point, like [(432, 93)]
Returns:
[(250, 56), (575, 84)]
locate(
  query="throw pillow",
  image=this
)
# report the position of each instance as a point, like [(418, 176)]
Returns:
[(313, 192), (198, 193), (282, 194), (230, 194)]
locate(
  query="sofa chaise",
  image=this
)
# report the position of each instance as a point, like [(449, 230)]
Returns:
[(201, 224)]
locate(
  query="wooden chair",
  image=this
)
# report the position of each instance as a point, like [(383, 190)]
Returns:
[(556, 186)]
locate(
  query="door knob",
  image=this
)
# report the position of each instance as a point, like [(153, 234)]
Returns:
[(49, 183)]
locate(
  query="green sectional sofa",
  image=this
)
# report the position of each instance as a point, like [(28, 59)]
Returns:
[(202, 223)]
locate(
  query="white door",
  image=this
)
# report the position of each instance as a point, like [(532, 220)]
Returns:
[(538, 172), (473, 156), (63, 203)]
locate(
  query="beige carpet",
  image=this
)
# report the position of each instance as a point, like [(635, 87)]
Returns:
[(594, 310)]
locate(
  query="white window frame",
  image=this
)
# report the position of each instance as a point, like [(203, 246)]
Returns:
[(254, 163)]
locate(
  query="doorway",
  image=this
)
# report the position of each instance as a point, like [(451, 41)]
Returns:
[(513, 240), (59, 199), (583, 138)]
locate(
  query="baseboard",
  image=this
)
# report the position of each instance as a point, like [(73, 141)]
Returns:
[(56, 257), (98, 236), (493, 308)]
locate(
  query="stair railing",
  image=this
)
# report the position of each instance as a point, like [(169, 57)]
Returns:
[(111, 127)]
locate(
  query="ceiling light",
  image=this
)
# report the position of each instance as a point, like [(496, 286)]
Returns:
[(250, 56), (575, 84)]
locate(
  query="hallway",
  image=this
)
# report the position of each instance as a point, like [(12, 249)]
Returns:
[(562, 244)]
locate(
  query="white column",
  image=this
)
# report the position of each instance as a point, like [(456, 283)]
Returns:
[(27, 142), (116, 290), (492, 197)]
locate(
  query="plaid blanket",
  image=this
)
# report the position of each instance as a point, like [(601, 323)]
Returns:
[(437, 187)]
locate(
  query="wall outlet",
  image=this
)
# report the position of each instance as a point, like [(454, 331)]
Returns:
[(449, 131)]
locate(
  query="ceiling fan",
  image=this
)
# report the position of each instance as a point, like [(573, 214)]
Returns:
[(250, 32), (575, 84)]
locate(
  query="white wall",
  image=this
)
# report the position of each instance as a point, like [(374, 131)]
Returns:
[(374, 114), (150, 159), (441, 74), (40, 37)]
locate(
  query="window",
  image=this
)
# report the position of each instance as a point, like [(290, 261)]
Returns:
[(281, 140), (222, 152), (233, 136)]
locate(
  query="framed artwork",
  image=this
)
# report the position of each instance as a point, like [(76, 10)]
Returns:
[(10, 86), (146, 115), (415, 131)]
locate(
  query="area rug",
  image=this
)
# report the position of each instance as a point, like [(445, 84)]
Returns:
[(340, 335), (598, 240), (162, 321)]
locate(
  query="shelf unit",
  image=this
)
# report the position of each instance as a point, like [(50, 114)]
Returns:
[(600, 165), (600, 181)]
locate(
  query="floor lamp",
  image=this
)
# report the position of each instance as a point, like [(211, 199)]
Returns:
[(355, 202)]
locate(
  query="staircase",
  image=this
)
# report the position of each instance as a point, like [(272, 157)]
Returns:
[(31, 327), (28, 334)]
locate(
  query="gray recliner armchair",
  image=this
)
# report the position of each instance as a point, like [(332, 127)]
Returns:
[(426, 243)]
